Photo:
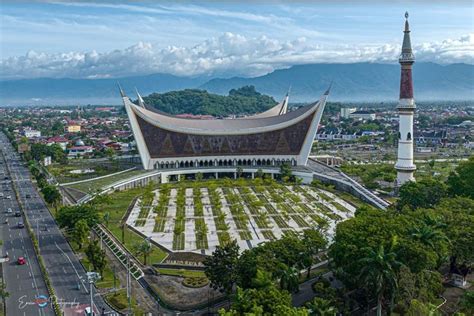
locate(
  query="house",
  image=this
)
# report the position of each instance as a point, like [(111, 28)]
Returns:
[(79, 151), (31, 133), (73, 127), (61, 141)]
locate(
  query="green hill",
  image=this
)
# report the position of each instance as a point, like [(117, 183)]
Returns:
[(245, 100)]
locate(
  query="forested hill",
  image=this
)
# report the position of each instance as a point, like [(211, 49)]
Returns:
[(239, 101)]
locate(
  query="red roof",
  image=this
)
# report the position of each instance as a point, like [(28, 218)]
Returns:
[(57, 139)]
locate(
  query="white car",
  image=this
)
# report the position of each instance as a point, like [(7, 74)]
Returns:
[(9, 197), (9, 210)]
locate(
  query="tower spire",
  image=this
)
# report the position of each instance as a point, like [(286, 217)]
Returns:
[(406, 109)]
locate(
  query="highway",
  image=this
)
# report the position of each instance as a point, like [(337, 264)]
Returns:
[(25, 282), (67, 275)]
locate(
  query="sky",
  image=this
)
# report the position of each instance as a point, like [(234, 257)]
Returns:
[(105, 39)]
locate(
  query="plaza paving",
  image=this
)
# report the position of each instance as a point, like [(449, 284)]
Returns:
[(198, 219)]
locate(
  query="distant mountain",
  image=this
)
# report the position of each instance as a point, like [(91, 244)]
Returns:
[(354, 82), (358, 82), (84, 91)]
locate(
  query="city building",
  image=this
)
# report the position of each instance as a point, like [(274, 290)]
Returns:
[(270, 138), (31, 133), (362, 115), (79, 151), (73, 128), (406, 110), (345, 112)]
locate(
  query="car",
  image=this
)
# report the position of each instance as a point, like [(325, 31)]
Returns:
[(17, 214), (9, 197), (21, 261), (87, 312), (21, 225), (27, 196), (9, 210)]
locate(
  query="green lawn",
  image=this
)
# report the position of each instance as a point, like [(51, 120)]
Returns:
[(107, 277), (119, 300), (116, 207), (100, 183), (183, 273)]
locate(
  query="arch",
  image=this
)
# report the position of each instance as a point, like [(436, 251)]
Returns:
[(181, 164), (409, 136)]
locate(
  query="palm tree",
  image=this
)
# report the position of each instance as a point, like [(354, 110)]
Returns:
[(321, 307), (429, 236), (143, 248), (289, 278), (379, 273)]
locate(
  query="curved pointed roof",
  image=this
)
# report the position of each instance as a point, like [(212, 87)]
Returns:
[(247, 125)]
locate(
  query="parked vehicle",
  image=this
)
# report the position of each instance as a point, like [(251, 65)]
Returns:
[(21, 225)]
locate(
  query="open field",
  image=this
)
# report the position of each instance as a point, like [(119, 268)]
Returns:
[(198, 216)]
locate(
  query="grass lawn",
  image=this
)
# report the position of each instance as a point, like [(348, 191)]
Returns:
[(183, 273), (99, 183), (119, 300), (107, 277), (116, 207)]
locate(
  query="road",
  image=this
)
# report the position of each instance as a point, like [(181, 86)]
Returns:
[(24, 283), (64, 269)]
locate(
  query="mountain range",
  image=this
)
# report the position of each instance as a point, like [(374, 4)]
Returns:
[(351, 82)]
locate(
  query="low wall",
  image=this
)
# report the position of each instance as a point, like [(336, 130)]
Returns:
[(349, 187)]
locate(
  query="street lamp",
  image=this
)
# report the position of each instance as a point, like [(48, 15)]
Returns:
[(92, 277)]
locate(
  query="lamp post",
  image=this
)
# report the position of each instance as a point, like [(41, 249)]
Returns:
[(92, 277)]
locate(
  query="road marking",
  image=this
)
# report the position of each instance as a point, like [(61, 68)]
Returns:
[(75, 270)]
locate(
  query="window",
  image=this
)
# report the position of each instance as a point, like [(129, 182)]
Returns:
[(409, 136), (399, 135)]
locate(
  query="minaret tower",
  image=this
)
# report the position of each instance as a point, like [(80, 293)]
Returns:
[(406, 109)]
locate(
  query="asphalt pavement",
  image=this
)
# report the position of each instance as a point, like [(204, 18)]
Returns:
[(24, 283), (67, 275)]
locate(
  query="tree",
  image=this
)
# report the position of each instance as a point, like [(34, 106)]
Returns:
[(143, 248), (259, 173), (80, 232), (289, 278), (4, 294), (263, 301), (96, 256), (425, 193), (461, 181), (69, 215), (313, 242), (239, 170), (221, 267), (321, 307), (51, 195), (199, 176), (379, 274), (285, 171)]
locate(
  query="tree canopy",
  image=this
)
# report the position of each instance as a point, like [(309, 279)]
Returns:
[(239, 101)]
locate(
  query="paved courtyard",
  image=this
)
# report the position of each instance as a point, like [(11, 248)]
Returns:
[(197, 219)]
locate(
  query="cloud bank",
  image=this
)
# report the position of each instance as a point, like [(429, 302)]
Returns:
[(228, 54)]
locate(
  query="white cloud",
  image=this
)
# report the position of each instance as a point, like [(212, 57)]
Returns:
[(228, 54)]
